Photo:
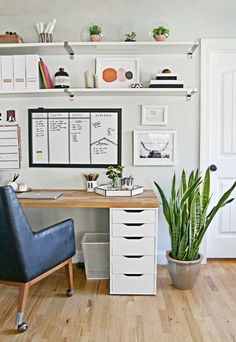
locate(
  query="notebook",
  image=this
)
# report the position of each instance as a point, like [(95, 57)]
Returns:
[(40, 195)]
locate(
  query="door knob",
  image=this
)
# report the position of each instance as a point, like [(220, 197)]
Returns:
[(213, 167)]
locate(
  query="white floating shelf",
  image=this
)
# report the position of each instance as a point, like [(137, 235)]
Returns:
[(88, 48), (188, 92)]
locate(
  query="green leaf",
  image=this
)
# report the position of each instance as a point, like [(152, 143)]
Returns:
[(166, 208)]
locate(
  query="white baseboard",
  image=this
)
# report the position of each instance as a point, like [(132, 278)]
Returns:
[(78, 257), (161, 257)]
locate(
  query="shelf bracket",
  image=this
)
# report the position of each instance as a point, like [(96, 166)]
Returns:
[(70, 93), (190, 93), (193, 48), (69, 49)]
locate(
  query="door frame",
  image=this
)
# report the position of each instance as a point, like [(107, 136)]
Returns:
[(208, 46)]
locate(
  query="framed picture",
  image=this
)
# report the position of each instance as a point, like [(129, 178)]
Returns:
[(116, 72), (154, 115), (75, 137), (154, 147)]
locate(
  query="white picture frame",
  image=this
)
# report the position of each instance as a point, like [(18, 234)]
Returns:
[(123, 71), (154, 147), (154, 115)]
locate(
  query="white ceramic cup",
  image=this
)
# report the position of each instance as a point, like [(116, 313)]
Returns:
[(22, 187), (91, 185)]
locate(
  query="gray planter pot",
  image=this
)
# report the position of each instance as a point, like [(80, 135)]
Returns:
[(183, 273)]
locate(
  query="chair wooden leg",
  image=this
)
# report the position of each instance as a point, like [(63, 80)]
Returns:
[(22, 301), (69, 277)]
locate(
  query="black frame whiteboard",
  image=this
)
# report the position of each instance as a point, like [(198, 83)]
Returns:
[(57, 132)]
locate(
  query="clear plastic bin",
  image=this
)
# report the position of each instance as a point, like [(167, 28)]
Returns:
[(95, 248)]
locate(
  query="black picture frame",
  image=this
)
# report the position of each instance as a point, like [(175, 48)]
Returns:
[(71, 110)]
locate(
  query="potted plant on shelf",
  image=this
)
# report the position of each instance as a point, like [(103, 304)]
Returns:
[(160, 33), (130, 36), (95, 32), (115, 173), (188, 219)]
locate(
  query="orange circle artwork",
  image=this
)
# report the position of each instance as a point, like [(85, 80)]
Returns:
[(109, 75)]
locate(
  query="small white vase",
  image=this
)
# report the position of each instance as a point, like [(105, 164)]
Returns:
[(14, 185), (91, 185)]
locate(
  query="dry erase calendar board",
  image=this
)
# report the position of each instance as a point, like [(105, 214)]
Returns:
[(74, 137)]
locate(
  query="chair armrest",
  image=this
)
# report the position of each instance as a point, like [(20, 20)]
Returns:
[(50, 247)]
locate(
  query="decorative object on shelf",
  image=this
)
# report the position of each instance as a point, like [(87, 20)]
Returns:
[(96, 83), (115, 72), (189, 204), (127, 183), (89, 83), (166, 80), (115, 173), (128, 34), (136, 85), (95, 32), (154, 148), (130, 37), (45, 32), (10, 38), (108, 190), (13, 183), (22, 187), (45, 76), (166, 71), (154, 115), (61, 79), (160, 33), (91, 181)]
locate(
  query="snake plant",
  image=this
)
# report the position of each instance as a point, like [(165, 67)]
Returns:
[(187, 213)]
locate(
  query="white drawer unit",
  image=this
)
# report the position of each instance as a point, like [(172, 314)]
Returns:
[(133, 246), (144, 264), (134, 284), (134, 216), (133, 229), (133, 251)]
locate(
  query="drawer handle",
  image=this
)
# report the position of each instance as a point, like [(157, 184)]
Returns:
[(133, 224), (133, 211), (133, 275), (134, 256), (133, 238)]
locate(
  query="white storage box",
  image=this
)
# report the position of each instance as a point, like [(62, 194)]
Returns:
[(95, 248)]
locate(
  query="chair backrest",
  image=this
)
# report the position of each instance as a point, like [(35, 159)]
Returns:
[(15, 236)]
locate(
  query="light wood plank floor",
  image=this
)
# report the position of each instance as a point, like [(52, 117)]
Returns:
[(206, 313)]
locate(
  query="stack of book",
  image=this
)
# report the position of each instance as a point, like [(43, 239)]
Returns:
[(167, 80), (45, 76)]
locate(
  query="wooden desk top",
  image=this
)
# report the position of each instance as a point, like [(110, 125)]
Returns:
[(84, 199)]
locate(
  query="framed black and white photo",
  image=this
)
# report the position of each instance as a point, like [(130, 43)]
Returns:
[(115, 72), (154, 115), (154, 147), (74, 137)]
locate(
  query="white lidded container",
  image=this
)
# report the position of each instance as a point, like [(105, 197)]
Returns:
[(95, 248)]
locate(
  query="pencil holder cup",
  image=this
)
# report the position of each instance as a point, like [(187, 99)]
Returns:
[(91, 185), (45, 37)]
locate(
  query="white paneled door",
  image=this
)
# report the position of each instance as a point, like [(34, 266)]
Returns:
[(218, 137)]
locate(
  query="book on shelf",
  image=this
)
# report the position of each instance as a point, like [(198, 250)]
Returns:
[(167, 77), (10, 39), (45, 76), (166, 84)]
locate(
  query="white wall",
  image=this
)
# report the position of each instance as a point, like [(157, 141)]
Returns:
[(186, 19)]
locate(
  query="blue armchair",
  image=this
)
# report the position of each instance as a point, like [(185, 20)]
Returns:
[(27, 257)]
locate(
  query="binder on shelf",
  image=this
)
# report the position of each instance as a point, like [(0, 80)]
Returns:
[(7, 73), (32, 72), (19, 72), (0, 73), (45, 76)]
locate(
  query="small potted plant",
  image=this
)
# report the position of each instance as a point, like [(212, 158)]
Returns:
[(95, 32), (130, 37), (188, 219), (160, 33), (115, 173)]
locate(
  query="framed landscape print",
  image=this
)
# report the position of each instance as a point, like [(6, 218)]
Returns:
[(154, 147), (114, 72), (154, 115)]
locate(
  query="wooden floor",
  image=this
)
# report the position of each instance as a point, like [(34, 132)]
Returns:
[(206, 313)]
